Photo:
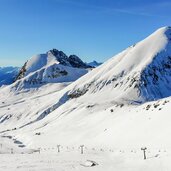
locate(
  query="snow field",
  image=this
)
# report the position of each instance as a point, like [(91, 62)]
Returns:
[(70, 159)]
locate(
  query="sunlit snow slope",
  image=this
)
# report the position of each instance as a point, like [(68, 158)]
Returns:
[(123, 102), (140, 73)]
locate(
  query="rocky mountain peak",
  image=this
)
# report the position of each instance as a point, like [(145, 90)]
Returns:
[(72, 60), (61, 57)]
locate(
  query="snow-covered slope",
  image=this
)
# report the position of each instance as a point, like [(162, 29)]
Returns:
[(120, 103), (140, 73), (8, 75), (52, 67)]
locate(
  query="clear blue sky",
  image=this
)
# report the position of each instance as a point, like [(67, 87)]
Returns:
[(91, 29)]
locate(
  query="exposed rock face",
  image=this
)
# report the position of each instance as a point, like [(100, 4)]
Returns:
[(72, 60), (60, 56), (21, 72)]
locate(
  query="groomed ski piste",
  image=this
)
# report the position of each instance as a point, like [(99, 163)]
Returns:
[(101, 120)]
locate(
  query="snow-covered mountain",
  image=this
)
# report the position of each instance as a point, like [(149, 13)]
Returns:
[(8, 75), (120, 103), (140, 73), (51, 67), (94, 64)]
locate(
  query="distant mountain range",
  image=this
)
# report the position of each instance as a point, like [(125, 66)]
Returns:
[(94, 64), (8, 75)]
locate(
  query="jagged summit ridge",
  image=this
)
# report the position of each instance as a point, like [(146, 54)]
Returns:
[(53, 56), (52, 67), (72, 60), (60, 56)]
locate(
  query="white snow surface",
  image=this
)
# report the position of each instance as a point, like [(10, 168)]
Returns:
[(120, 106), (37, 62), (72, 160)]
